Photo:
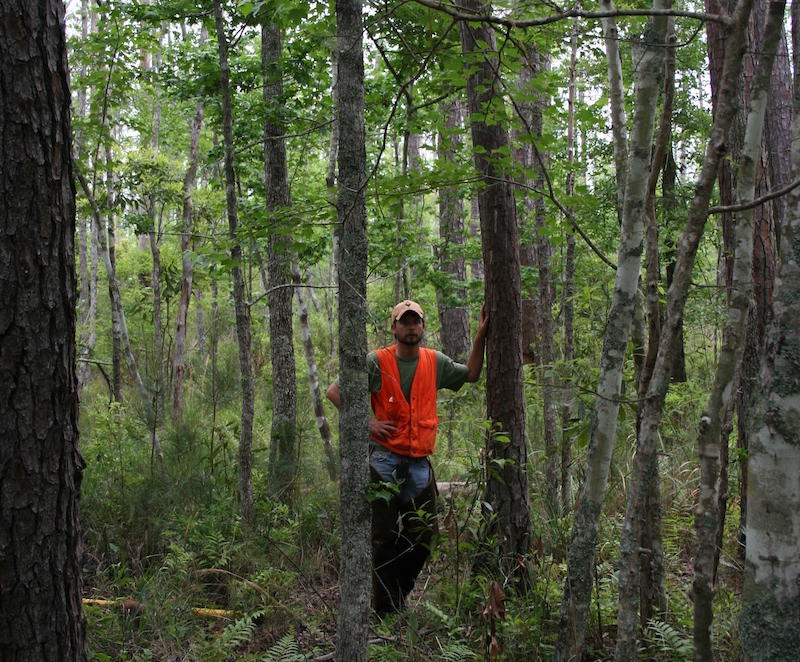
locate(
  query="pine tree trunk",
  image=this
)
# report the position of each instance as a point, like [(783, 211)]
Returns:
[(507, 482), (283, 436), (355, 571), (41, 617), (239, 295)]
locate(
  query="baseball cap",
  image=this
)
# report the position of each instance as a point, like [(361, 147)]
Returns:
[(405, 306)]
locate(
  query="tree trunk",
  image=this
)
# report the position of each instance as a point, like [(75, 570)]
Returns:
[(771, 597), (41, 617), (578, 585), (111, 268), (355, 572), (476, 268), (647, 441), (86, 320), (619, 119), (532, 116), (451, 294), (652, 592), (158, 335), (239, 296), (506, 457), (568, 292), (189, 180), (283, 436), (116, 303), (313, 378)]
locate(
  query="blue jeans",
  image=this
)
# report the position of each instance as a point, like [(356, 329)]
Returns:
[(412, 474)]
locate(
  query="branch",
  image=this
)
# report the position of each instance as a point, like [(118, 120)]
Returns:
[(755, 203), (723, 19)]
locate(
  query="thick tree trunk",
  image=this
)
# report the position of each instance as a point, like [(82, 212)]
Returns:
[(451, 294), (647, 441), (771, 597), (41, 617), (239, 296), (313, 378), (578, 585), (355, 572), (507, 481), (283, 435), (189, 180)]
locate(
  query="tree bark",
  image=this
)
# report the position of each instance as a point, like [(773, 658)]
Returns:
[(41, 617), (355, 573), (283, 435), (506, 457), (770, 596), (239, 296)]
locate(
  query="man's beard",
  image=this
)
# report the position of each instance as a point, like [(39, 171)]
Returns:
[(416, 340)]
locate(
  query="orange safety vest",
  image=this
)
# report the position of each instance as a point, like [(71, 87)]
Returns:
[(417, 420)]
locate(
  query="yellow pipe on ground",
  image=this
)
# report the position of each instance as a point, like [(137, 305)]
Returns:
[(131, 606)]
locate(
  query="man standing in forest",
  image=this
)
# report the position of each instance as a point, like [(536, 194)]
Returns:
[(403, 381)]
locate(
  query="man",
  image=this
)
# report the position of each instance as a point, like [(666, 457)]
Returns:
[(403, 380)]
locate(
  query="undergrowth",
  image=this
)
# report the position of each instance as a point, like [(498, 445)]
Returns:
[(185, 579)]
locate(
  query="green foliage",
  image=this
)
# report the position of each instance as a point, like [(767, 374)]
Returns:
[(670, 644), (167, 534)]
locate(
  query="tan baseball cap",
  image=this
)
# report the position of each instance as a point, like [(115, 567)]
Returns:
[(405, 306)]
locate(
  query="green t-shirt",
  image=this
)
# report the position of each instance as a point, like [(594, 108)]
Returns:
[(449, 374)]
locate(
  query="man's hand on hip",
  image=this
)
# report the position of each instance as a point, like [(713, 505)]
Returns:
[(382, 430)]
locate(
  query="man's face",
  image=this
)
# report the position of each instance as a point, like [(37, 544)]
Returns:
[(408, 329)]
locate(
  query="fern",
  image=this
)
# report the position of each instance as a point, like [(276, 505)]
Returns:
[(177, 560), (669, 641), (235, 635), (456, 651), (285, 650), (216, 549)]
